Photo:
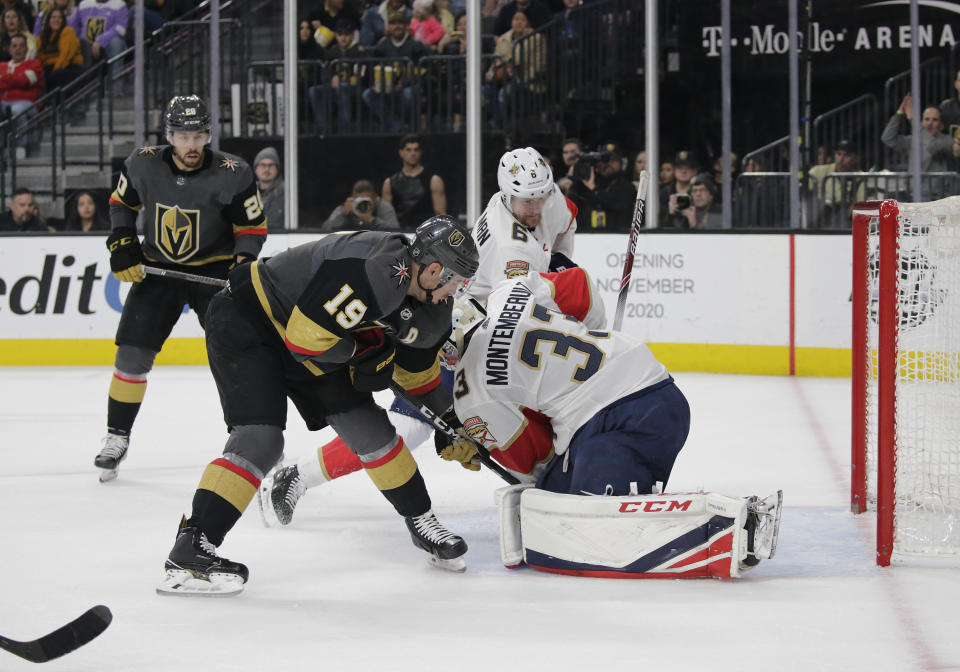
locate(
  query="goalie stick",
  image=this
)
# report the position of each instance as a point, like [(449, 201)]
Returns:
[(441, 426), (180, 275), (639, 217), (72, 636)]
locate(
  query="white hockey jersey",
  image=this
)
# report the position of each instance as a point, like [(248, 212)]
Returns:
[(533, 375), (508, 249)]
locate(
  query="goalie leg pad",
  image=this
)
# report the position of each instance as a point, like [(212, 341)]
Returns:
[(639, 536), (508, 504)]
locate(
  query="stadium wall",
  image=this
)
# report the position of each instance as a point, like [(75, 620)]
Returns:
[(718, 302)]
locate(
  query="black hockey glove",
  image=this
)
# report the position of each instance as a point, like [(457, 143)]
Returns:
[(560, 262), (461, 449), (125, 256), (371, 368)]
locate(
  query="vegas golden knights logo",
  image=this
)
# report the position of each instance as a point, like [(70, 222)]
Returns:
[(95, 27), (178, 232)]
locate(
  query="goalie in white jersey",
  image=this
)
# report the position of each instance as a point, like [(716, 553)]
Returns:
[(582, 412)]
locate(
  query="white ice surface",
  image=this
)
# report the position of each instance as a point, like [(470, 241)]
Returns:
[(343, 588)]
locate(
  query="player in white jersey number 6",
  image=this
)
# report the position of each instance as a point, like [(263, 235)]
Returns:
[(528, 227), (580, 412)]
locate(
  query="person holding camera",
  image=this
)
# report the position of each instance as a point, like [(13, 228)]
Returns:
[(697, 209), (602, 191), (684, 169), (362, 211)]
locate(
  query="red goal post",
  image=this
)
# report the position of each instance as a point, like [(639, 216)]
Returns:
[(906, 375)]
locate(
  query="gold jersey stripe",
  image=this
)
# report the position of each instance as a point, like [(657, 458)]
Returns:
[(265, 304), (410, 380), (127, 391), (227, 484), (307, 335), (393, 469)]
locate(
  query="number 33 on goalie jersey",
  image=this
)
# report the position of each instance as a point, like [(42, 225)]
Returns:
[(541, 366)]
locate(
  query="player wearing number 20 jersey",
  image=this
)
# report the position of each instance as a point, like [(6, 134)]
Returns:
[(563, 402)]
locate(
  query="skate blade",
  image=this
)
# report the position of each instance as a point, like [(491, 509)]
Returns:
[(181, 583), (267, 515), (452, 565), (107, 475)]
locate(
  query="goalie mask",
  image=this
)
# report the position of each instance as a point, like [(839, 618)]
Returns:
[(468, 314)]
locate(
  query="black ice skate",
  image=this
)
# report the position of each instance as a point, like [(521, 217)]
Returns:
[(446, 549), (194, 568), (763, 528), (279, 494), (111, 455)]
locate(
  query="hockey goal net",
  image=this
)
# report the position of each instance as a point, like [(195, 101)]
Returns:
[(906, 375)]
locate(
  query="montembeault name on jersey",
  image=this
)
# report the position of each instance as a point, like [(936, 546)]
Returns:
[(498, 350)]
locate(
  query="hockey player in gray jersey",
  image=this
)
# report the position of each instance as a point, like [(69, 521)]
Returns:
[(325, 324), (201, 213)]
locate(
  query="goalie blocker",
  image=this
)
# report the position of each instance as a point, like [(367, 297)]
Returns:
[(684, 535)]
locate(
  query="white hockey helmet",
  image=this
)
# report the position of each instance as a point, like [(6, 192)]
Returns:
[(524, 174)]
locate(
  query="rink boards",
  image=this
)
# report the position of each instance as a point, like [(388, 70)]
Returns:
[(719, 302)]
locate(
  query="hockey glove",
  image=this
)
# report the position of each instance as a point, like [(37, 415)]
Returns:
[(371, 368), (125, 257), (461, 449), (560, 262)]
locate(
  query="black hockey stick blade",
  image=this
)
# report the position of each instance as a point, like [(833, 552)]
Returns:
[(64, 640)]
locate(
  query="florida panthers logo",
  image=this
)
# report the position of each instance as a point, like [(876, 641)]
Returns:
[(177, 232)]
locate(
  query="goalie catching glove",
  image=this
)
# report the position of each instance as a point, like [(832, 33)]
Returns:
[(461, 449), (371, 368), (125, 256)]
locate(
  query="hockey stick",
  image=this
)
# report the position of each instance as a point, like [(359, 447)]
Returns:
[(639, 216), (441, 426), (64, 640), (180, 275)]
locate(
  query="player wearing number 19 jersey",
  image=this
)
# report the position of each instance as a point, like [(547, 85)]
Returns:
[(201, 213)]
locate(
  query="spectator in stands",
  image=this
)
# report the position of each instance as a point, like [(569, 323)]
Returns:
[(667, 174), (446, 16), (23, 214), (517, 69), (936, 149), (639, 165), (84, 215), (535, 11), (266, 166), (103, 25), (425, 26), (68, 7), (455, 44), (308, 49), (343, 84), (12, 23), (152, 18), (325, 16), (385, 98), (697, 210), (603, 192), (21, 83), (823, 155), (58, 50), (414, 192), (834, 198), (374, 22), (718, 175), (950, 110), (685, 168), (362, 211), (26, 8)]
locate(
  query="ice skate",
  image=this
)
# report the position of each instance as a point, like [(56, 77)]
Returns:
[(278, 496), (111, 455), (763, 528), (446, 549), (194, 568)]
